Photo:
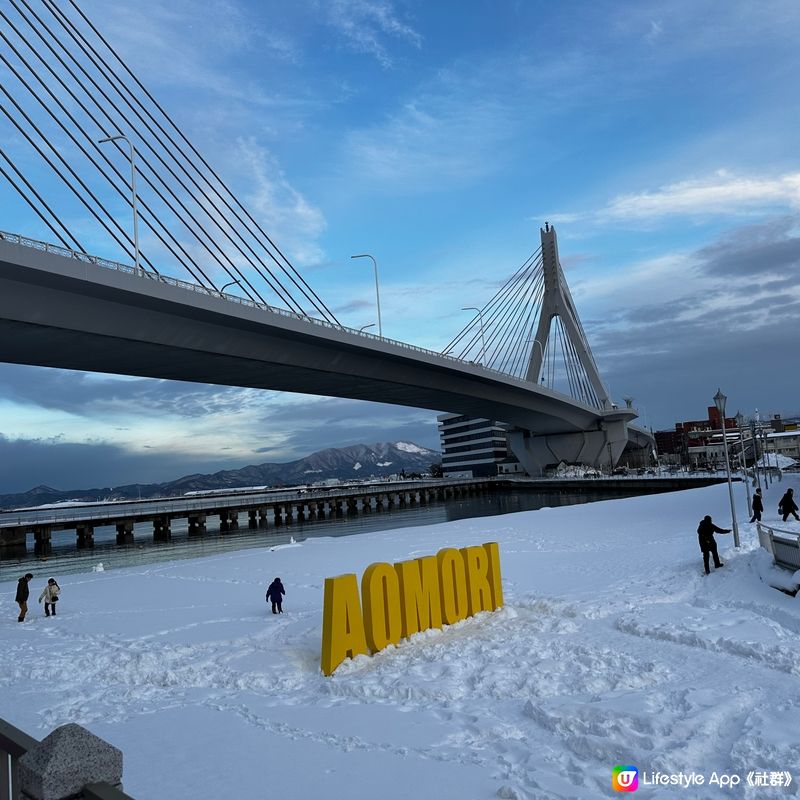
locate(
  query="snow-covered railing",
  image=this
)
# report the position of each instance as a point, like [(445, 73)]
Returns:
[(782, 544)]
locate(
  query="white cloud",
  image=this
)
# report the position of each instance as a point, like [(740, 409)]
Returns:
[(723, 193), (277, 205), (367, 24)]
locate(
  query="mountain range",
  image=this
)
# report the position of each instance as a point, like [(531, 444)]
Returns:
[(345, 463)]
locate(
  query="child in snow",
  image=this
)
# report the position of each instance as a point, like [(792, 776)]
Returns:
[(275, 595), (50, 596)]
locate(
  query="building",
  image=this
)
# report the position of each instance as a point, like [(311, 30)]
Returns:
[(786, 443), (474, 447)]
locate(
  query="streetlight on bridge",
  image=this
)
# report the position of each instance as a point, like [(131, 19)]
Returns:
[(377, 292), (483, 341), (230, 283), (132, 157), (364, 327), (719, 402)]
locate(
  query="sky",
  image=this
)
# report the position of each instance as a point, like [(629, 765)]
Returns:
[(659, 138)]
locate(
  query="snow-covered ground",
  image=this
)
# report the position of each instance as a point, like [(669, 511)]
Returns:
[(613, 648)]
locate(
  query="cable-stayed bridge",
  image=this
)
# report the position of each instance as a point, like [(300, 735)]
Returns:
[(82, 125)]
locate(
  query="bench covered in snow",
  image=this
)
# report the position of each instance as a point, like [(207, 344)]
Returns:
[(784, 546)]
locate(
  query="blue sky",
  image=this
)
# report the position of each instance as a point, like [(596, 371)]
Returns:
[(659, 138)]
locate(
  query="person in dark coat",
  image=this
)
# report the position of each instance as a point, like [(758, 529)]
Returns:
[(788, 506), (758, 506), (275, 595), (708, 544), (23, 592)]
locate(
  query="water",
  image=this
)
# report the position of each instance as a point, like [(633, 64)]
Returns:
[(66, 559)]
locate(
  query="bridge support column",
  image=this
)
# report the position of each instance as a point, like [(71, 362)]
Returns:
[(197, 524), (162, 529), (125, 532), (228, 521), (41, 540), (352, 505), (596, 448), (252, 518), (13, 538), (85, 536), (263, 517)]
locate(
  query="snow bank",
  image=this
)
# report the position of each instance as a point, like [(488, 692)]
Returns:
[(613, 648)]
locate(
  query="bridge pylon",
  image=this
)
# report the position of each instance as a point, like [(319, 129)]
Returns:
[(601, 446), (557, 302)]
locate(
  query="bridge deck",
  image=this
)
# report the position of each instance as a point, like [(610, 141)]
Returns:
[(57, 311)]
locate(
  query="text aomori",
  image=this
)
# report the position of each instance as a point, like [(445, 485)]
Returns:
[(405, 598)]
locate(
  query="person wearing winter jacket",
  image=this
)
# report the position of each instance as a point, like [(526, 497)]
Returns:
[(758, 507), (788, 506), (50, 596), (708, 544), (275, 594), (23, 592)]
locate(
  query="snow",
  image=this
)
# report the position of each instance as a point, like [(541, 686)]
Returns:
[(357, 466), (776, 460), (612, 648), (384, 464), (407, 447)]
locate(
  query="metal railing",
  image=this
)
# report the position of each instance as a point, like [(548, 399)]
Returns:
[(783, 545)]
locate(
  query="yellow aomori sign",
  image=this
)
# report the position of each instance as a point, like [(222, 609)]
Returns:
[(398, 600)]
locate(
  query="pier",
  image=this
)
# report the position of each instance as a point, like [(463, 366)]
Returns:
[(274, 508)]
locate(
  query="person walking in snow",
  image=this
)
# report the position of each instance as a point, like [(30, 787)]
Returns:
[(275, 594), (23, 592), (50, 596), (708, 544), (788, 506), (758, 506)]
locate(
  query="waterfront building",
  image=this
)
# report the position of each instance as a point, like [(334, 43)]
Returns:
[(474, 447)]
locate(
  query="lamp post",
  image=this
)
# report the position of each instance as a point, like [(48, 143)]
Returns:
[(719, 401), (755, 452), (483, 342), (132, 156), (377, 292), (364, 327), (230, 283), (765, 458), (740, 423)]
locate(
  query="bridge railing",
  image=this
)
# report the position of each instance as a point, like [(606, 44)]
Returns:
[(46, 247)]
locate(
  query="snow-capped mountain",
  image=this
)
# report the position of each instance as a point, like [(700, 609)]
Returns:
[(360, 461)]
